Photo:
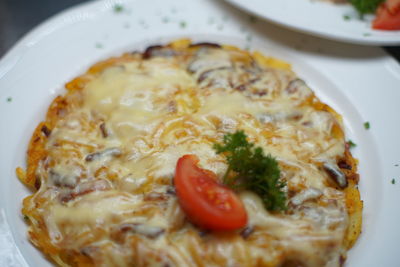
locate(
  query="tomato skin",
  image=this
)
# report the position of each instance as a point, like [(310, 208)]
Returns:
[(393, 6), (385, 20), (205, 202)]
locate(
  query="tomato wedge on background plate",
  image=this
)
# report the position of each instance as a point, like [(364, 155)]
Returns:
[(207, 203), (393, 6), (387, 16)]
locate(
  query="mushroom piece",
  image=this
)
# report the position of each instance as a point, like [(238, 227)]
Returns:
[(305, 195), (205, 44), (336, 174), (158, 51), (142, 229), (247, 231), (114, 152), (103, 130), (85, 188)]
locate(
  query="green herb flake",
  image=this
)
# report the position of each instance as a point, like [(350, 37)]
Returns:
[(367, 125), (99, 45), (182, 24), (253, 19), (249, 37), (165, 19), (346, 17), (393, 181), (351, 144), (118, 8), (26, 218), (366, 34), (9, 99), (250, 169)]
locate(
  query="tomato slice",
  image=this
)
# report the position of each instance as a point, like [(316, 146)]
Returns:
[(393, 6), (385, 20), (205, 202)]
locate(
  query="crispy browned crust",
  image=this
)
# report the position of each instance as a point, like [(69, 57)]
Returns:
[(61, 105)]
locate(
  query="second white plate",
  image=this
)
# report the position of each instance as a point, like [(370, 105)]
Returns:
[(324, 19)]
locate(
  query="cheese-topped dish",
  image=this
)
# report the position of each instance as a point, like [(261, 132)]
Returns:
[(102, 164)]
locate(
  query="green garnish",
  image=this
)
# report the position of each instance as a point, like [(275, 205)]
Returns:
[(346, 17), (118, 8), (351, 144), (366, 6), (252, 19), (249, 37), (249, 168), (182, 24), (99, 45), (9, 99), (367, 125), (393, 181)]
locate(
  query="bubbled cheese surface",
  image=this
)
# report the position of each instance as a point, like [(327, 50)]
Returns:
[(107, 182)]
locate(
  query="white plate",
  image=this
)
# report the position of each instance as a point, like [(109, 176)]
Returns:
[(321, 18), (362, 83)]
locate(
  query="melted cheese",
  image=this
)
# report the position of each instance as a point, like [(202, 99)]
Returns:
[(156, 110)]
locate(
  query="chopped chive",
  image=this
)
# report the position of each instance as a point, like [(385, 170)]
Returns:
[(182, 24), (366, 34), (346, 17), (9, 99), (393, 181), (118, 8), (351, 144), (99, 45), (252, 19), (367, 125), (249, 37)]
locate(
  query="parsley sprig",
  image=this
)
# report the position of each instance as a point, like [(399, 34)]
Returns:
[(366, 6), (249, 168)]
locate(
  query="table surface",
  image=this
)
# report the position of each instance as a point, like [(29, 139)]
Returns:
[(17, 17)]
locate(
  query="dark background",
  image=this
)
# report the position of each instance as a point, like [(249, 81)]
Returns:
[(17, 17)]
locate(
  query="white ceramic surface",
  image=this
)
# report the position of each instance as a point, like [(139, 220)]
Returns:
[(337, 22), (362, 83)]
